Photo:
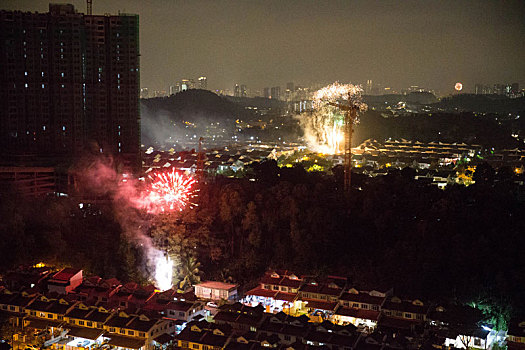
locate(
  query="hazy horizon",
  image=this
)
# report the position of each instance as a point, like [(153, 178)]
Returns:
[(268, 43)]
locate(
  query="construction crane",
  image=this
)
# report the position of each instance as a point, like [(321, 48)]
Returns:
[(200, 159), (89, 7), (350, 110)]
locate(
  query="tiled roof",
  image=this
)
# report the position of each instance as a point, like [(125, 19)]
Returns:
[(83, 332), (126, 342), (321, 305), (397, 323), (358, 313), (362, 298), (262, 292), (405, 306)]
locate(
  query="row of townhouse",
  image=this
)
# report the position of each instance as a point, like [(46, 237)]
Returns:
[(241, 327), (332, 298), (68, 323), (98, 312)]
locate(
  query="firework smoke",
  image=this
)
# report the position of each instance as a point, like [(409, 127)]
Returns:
[(323, 126), (131, 199)]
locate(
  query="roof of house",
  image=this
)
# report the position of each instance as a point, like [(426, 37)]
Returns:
[(97, 316), (262, 292), (118, 321), (405, 306), (213, 339), (84, 332), (321, 305), (164, 338), (397, 323), (358, 313), (126, 342), (141, 325), (65, 274), (362, 297), (216, 285), (59, 308)]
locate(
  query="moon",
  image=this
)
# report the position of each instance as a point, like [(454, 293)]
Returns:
[(458, 86)]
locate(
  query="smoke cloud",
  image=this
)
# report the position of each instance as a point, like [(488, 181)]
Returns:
[(99, 176)]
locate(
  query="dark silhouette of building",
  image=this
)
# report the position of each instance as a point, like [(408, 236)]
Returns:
[(266, 92), (69, 84), (276, 93)]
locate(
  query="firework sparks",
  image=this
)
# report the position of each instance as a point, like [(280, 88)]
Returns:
[(323, 127), (171, 191), (164, 272)]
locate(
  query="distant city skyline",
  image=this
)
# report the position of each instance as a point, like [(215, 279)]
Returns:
[(269, 43)]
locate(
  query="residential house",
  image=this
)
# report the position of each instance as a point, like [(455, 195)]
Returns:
[(362, 309), (277, 291), (65, 280), (136, 331), (97, 290), (216, 291), (201, 335), (240, 317), (403, 314), (321, 296)]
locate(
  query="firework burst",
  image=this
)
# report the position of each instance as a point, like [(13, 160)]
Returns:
[(323, 126), (171, 190)]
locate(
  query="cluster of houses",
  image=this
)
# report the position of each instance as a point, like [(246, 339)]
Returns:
[(214, 162), (67, 311), (369, 311), (435, 161), (402, 153)]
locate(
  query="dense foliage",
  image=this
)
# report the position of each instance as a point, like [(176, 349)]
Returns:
[(462, 243)]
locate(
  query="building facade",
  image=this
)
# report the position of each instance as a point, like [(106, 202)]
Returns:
[(69, 84)]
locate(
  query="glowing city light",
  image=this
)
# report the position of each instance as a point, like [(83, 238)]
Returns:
[(458, 86)]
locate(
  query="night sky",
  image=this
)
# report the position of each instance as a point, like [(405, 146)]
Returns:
[(432, 44)]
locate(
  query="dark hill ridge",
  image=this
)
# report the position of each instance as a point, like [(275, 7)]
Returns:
[(413, 97), (482, 103), (192, 103)]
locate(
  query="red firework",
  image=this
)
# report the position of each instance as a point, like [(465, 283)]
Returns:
[(171, 190)]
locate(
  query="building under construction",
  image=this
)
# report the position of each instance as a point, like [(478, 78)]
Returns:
[(69, 85)]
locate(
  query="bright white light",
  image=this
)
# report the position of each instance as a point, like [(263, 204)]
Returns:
[(164, 272)]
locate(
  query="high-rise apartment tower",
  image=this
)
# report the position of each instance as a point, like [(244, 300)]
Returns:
[(69, 84)]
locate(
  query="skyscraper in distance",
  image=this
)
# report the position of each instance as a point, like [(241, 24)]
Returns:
[(237, 90), (276, 93), (203, 83)]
